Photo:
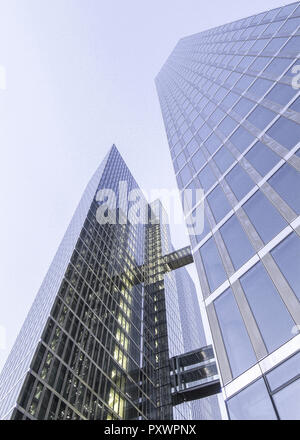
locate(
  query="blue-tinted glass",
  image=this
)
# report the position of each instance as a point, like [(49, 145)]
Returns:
[(243, 106), (187, 136), (223, 159), (237, 343), (258, 46), (259, 64), (230, 99), (281, 93), (245, 63), (216, 117), (185, 175), (218, 203), (260, 87), (278, 66), (296, 105), (212, 143), (239, 181), (290, 26), (244, 82), (227, 125), (274, 45), (285, 372), (198, 160), (286, 183), (261, 117), (287, 257), (286, 132), (262, 158), (242, 139), (237, 242), (272, 28), (287, 402), (207, 178), (204, 132), (192, 147), (293, 46), (206, 227), (181, 160), (264, 216), (253, 403), (271, 15), (213, 265), (286, 11), (258, 30), (266, 304)]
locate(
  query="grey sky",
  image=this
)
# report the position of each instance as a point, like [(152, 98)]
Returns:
[(79, 78)]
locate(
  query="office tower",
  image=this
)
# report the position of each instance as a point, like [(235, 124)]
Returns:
[(99, 336), (230, 103)]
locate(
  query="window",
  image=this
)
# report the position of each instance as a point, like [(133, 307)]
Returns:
[(261, 117), (253, 403), (227, 125), (185, 175), (296, 105), (260, 87), (212, 143), (230, 100), (223, 159), (286, 132), (216, 117), (259, 64), (243, 107), (258, 46), (244, 82), (287, 257), (236, 340), (287, 402), (290, 26), (272, 29), (264, 216), (192, 147), (278, 66), (239, 181), (262, 158), (213, 265), (286, 11), (181, 160), (272, 317), (286, 183), (207, 178), (242, 139), (292, 47), (218, 203), (198, 160), (274, 46), (237, 242), (204, 132), (285, 372), (281, 94)]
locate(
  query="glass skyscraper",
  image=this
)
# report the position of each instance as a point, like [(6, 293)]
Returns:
[(231, 107), (99, 336)]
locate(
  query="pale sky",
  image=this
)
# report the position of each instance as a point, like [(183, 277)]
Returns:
[(80, 77)]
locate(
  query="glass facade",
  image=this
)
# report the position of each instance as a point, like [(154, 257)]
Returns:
[(231, 112), (97, 341)]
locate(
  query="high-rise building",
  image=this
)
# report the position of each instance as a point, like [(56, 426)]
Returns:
[(105, 326), (231, 107)]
